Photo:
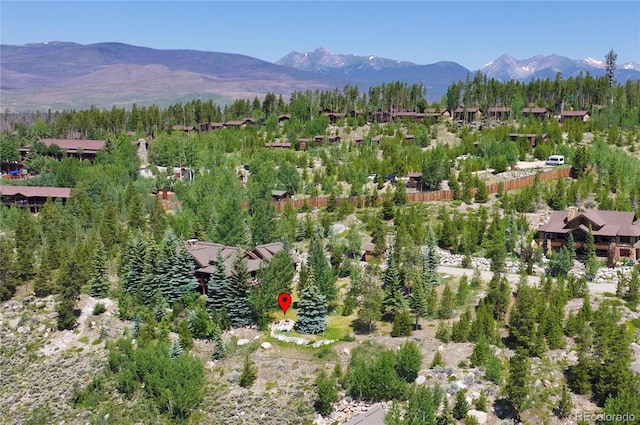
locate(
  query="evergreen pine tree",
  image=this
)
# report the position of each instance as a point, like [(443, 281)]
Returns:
[(446, 416), (8, 278), (565, 405), (522, 321), (239, 308), (184, 280), (151, 280), (581, 375), (446, 309), (219, 351), (481, 402), (518, 387), (326, 391), (26, 240), (461, 407), (218, 290), (133, 265), (312, 311), (461, 329), (418, 303), (422, 406), (463, 291), (591, 262), (249, 373), (371, 308), (482, 193), (442, 333), (99, 282), (437, 360), (175, 350), (322, 271), (481, 352), (432, 302), (43, 284), (394, 300), (633, 287), (430, 261), (402, 324)]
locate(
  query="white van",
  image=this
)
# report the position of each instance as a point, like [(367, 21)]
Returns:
[(555, 160)]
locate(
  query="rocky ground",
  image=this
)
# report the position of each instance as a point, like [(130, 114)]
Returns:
[(40, 367)]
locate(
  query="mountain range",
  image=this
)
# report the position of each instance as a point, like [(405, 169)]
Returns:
[(64, 75)]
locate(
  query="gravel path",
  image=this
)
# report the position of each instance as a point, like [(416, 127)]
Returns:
[(597, 288)]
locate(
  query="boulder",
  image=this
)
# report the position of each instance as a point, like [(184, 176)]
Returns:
[(243, 341), (266, 345), (479, 415), (14, 323), (234, 376), (421, 379)]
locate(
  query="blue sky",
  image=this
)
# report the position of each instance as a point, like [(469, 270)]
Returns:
[(424, 32)]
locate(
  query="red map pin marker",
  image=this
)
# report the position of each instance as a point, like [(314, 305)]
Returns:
[(284, 300)]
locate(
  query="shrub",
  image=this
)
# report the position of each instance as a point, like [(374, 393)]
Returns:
[(409, 361), (99, 309), (402, 324), (437, 360), (372, 377), (327, 393), (249, 373)]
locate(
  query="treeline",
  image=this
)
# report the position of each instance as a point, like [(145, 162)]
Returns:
[(581, 92)]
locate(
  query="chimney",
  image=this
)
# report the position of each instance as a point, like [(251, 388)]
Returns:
[(571, 213)]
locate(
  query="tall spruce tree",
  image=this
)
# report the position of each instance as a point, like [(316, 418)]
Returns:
[(322, 271), (312, 311), (151, 280), (447, 303), (26, 238), (418, 303), (168, 250), (184, 280), (99, 282), (518, 384), (239, 308), (218, 290), (133, 264), (522, 320), (8, 275), (394, 300)]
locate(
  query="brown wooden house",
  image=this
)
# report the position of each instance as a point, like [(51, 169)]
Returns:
[(499, 113), (204, 255), (467, 114), (534, 112), (211, 126), (32, 197), (617, 230), (81, 149), (584, 116)]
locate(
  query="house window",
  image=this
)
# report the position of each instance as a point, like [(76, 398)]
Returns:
[(625, 253), (625, 239)]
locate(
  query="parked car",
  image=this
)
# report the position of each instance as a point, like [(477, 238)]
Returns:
[(372, 177), (555, 160)]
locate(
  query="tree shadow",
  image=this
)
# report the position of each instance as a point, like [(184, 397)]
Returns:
[(503, 409), (363, 328)]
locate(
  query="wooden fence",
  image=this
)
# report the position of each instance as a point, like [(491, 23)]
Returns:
[(436, 195)]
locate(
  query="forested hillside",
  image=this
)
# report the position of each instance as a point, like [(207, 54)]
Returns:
[(514, 331)]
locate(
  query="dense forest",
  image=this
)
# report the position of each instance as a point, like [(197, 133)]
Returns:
[(114, 238)]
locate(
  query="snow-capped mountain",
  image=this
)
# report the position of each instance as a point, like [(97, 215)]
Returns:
[(540, 66), (322, 60)]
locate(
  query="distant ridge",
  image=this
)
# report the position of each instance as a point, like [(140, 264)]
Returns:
[(64, 75)]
